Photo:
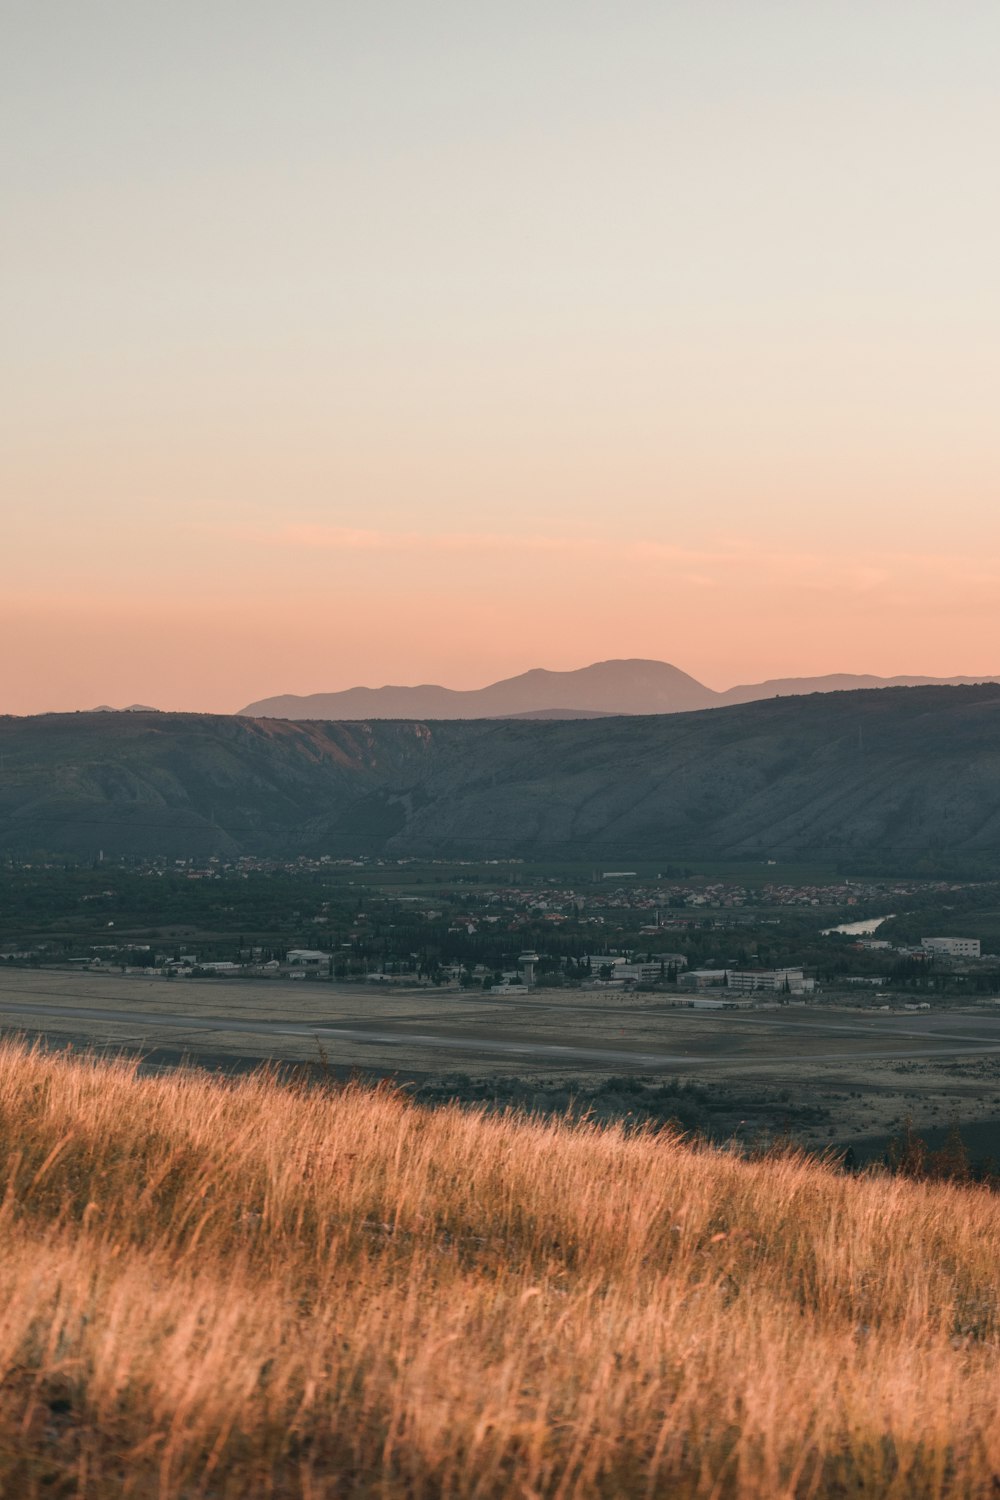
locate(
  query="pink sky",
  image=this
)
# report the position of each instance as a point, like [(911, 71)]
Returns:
[(328, 612), (393, 344)]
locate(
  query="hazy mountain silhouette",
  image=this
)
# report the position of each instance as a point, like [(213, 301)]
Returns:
[(130, 708), (633, 686), (898, 774), (609, 687)]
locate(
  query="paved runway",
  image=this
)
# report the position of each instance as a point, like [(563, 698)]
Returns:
[(373, 1036), (512, 1041)]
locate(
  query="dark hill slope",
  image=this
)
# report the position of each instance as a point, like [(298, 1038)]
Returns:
[(902, 770), (133, 783)]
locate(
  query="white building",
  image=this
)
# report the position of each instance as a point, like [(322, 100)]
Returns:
[(952, 947), (640, 971), (749, 981), (774, 981), (307, 958)]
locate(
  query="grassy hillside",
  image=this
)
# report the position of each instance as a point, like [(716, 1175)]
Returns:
[(897, 773), (242, 1289)]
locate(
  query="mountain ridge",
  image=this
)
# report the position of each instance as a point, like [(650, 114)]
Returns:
[(632, 685), (900, 772)]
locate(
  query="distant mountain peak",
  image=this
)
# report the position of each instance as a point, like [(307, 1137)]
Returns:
[(630, 686), (130, 708), (626, 685)]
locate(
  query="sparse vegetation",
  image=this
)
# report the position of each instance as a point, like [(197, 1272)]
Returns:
[(718, 1112), (241, 1288)]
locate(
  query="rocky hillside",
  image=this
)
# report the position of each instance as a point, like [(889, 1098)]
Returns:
[(906, 770)]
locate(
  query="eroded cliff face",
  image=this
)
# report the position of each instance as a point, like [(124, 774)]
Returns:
[(911, 770)]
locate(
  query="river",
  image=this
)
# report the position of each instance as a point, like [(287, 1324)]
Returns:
[(860, 929)]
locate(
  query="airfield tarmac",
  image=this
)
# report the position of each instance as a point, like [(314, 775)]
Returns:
[(867, 1068)]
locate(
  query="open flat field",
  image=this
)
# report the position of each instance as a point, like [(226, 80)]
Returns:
[(866, 1069)]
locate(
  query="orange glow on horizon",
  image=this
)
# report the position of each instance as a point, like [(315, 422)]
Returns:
[(321, 618), (397, 345)]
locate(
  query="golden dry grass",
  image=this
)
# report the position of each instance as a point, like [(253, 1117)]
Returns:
[(243, 1289)]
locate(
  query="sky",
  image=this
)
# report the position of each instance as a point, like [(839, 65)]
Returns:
[(381, 342)]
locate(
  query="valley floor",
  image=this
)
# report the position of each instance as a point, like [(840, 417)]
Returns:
[(844, 1073)]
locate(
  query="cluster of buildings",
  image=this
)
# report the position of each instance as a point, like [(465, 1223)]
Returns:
[(297, 963), (955, 948), (651, 908)]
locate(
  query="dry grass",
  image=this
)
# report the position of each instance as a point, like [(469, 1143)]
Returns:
[(243, 1289)]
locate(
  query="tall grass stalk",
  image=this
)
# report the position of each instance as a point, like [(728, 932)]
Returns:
[(247, 1288)]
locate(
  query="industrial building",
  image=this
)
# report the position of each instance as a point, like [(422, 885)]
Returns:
[(749, 981), (307, 958), (636, 971), (952, 947)]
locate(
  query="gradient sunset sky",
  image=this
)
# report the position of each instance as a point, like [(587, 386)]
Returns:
[(394, 342)]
